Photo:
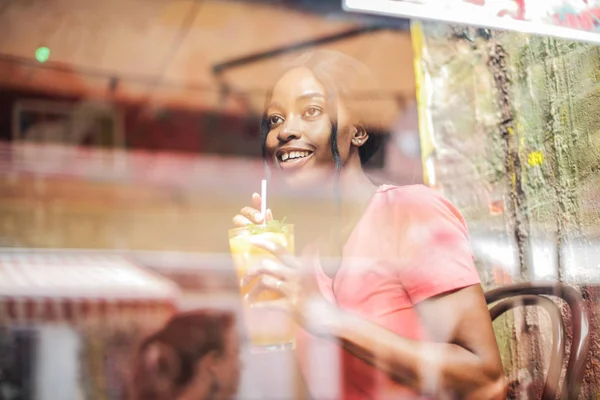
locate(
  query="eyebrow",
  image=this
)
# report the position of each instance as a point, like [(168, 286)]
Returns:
[(311, 95), (305, 96)]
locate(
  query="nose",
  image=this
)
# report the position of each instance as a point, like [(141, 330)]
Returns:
[(286, 134), (289, 131)]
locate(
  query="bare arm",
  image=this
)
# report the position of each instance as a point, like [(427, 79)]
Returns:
[(461, 360)]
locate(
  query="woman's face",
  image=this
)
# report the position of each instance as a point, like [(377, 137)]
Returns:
[(299, 138)]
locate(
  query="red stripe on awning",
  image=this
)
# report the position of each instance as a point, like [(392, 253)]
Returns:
[(59, 287)]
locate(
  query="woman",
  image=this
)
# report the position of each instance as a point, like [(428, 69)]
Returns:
[(195, 356), (403, 300)]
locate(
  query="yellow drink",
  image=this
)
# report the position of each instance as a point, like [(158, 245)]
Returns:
[(267, 328)]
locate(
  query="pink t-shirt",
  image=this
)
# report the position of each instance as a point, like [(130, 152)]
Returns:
[(411, 244)]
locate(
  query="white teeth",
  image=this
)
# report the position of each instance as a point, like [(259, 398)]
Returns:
[(293, 155)]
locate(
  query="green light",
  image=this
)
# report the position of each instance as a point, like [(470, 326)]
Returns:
[(42, 54)]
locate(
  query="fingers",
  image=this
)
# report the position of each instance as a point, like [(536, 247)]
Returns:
[(256, 200), (240, 221), (267, 282), (271, 268), (268, 275), (252, 214), (256, 204), (278, 251)]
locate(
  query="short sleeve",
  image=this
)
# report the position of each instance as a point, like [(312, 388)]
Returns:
[(434, 253)]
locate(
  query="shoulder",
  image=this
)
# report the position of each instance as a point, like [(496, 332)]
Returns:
[(410, 195), (434, 253), (418, 202)]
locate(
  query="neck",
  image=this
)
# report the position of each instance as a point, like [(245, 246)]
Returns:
[(339, 203), (354, 185), (355, 194)]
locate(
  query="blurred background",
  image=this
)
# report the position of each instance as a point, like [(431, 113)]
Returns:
[(135, 117), (129, 137), (128, 140)]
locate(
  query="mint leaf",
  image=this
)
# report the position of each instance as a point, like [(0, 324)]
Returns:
[(275, 226)]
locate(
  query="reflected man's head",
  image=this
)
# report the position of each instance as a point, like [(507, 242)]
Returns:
[(194, 356)]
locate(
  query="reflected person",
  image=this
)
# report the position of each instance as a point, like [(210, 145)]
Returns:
[(195, 356)]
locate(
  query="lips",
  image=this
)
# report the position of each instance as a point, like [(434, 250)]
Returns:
[(292, 157)]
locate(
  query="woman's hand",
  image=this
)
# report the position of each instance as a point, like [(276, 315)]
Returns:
[(287, 275), (251, 215)]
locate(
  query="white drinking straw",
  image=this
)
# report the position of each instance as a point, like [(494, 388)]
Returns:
[(263, 200)]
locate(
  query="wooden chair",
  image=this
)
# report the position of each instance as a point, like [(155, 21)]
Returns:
[(528, 294)]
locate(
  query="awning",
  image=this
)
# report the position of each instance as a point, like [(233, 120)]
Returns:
[(57, 287)]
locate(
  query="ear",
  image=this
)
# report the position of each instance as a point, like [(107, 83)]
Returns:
[(210, 361), (161, 362), (359, 135)]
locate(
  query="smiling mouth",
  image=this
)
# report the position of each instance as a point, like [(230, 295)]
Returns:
[(293, 158), (290, 156)]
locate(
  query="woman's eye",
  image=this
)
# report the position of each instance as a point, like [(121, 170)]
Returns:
[(275, 120), (312, 112)]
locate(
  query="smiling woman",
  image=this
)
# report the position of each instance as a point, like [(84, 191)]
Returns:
[(390, 283), (323, 96)]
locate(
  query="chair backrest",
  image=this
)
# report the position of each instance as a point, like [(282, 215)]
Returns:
[(527, 294)]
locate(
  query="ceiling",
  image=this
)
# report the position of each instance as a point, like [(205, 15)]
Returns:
[(164, 51)]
